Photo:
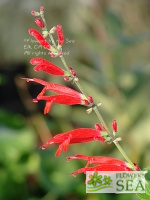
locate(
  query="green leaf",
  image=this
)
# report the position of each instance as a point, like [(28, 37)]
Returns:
[(147, 189), (147, 175), (143, 196), (146, 195)]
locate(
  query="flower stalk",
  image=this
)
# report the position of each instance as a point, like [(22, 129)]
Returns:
[(69, 96)]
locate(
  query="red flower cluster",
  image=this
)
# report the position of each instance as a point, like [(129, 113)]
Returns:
[(68, 96), (54, 51)]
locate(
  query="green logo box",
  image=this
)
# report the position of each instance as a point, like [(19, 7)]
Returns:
[(115, 182)]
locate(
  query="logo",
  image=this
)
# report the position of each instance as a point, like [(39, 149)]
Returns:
[(115, 182)]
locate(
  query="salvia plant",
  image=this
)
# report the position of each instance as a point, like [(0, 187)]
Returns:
[(68, 96)]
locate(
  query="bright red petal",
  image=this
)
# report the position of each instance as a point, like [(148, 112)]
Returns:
[(60, 35), (46, 66), (59, 150), (39, 38), (61, 99), (99, 160), (60, 89), (103, 167), (48, 107), (49, 69)]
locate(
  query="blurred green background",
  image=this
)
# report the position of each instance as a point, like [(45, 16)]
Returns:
[(108, 44)]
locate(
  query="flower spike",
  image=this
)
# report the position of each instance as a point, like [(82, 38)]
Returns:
[(68, 96), (75, 136), (39, 38)]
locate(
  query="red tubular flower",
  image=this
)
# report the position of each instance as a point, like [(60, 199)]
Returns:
[(39, 22), (103, 164), (65, 94), (75, 136), (46, 66), (60, 35), (60, 89), (114, 125), (39, 38)]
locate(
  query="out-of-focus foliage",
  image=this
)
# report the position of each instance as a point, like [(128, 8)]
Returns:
[(108, 44)]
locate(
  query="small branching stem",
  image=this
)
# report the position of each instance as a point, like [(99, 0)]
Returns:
[(64, 63)]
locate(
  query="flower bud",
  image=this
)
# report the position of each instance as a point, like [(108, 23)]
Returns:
[(41, 8), (98, 127), (53, 30), (60, 35), (70, 68), (66, 78), (90, 99), (86, 102), (73, 73), (39, 22), (114, 125), (39, 38), (53, 55), (35, 13)]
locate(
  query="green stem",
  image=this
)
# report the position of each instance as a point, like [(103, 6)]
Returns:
[(64, 63), (124, 154), (44, 21), (100, 118), (80, 87), (113, 138), (53, 41)]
